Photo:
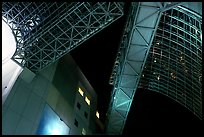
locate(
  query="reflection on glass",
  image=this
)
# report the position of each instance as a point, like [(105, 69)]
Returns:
[(51, 124)]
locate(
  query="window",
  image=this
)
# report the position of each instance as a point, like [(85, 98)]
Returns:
[(81, 91), (51, 124), (78, 105), (83, 131), (86, 115), (87, 100), (76, 123), (97, 114)]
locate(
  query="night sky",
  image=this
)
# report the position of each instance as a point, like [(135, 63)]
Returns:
[(96, 57)]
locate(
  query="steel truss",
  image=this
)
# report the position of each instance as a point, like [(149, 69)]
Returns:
[(132, 54), (46, 31)]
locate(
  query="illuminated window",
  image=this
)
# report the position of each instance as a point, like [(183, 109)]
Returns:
[(81, 92), (51, 124), (158, 77), (87, 100), (97, 114), (83, 131)]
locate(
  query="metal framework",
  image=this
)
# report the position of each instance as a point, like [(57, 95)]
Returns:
[(174, 64), (46, 31), (137, 38), (132, 56)]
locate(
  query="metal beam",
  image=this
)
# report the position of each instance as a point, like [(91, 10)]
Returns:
[(47, 31), (171, 5), (137, 39)]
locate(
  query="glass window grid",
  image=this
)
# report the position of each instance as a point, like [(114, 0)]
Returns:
[(191, 97), (181, 27)]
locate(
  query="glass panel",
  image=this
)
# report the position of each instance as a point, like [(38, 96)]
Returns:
[(51, 124)]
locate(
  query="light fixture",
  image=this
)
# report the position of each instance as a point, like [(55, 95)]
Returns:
[(158, 77), (201, 36), (8, 42)]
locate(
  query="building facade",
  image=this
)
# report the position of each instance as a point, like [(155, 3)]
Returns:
[(45, 32), (58, 100), (174, 63)]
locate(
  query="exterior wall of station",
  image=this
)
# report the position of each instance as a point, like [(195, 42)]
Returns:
[(174, 63), (55, 86)]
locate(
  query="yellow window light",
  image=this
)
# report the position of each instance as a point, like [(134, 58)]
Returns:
[(87, 100), (81, 92), (97, 114)]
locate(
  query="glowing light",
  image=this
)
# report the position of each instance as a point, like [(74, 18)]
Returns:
[(155, 60), (158, 77), (8, 42), (50, 124), (81, 91), (8, 65), (87, 100), (153, 51), (55, 127), (55, 132), (173, 75), (83, 131), (97, 114)]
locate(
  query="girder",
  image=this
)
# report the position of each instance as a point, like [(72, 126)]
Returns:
[(137, 38), (46, 31)]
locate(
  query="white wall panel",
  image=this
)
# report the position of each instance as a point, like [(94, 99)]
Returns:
[(9, 122), (32, 107), (20, 98), (24, 127)]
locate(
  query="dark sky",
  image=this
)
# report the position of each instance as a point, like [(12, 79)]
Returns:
[(152, 110), (96, 57)]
